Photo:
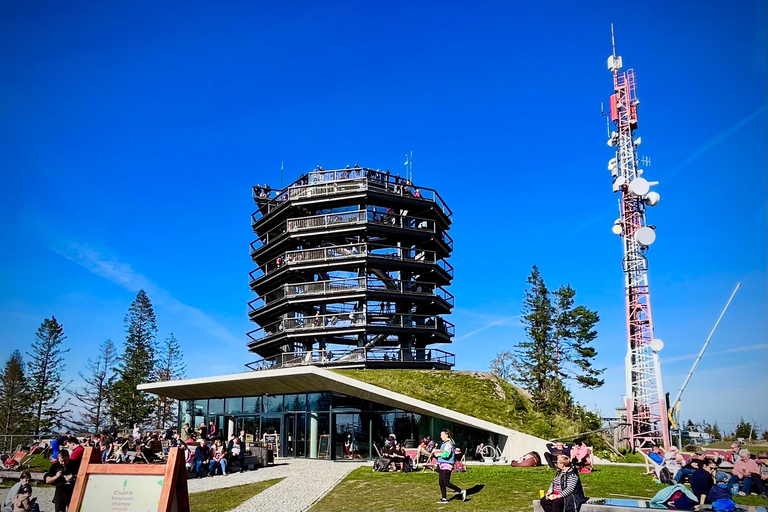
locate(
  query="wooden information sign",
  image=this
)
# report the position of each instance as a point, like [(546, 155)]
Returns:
[(130, 487)]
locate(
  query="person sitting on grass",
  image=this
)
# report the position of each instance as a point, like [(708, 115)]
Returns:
[(702, 480), (581, 455), (732, 457), (565, 493), (746, 475), (556, 449), (721, 490)]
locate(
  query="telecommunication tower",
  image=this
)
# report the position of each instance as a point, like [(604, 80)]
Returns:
[(645, 401)]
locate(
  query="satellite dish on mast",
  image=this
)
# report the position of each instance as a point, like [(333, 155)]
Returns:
[(645, 236), (657, 345), (639, 187)]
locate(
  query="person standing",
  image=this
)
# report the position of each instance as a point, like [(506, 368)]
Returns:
[(62, 476), (565, 493), (446, 457)]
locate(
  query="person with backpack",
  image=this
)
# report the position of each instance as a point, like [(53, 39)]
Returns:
[(446, 457)]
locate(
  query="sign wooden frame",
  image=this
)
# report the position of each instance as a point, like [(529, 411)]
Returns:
[(174, 472)]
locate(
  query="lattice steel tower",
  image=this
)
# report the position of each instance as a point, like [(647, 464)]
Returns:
[(645, 401), (352, 265)]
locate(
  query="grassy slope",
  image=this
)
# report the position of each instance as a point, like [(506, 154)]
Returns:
[(476, 394), (220, 500), (505, 488)]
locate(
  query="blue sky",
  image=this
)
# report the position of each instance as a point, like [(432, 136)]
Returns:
[(131, 135)]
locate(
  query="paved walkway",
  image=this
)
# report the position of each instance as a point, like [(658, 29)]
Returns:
[(304, 482)]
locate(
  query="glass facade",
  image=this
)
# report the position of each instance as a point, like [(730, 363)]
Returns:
[(322, 425)]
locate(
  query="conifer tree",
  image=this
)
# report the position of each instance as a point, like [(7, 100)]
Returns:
[(94, 397), (46, 367), (136, 365), (557, 347), (170, 366), (15, 400), (716, 432)]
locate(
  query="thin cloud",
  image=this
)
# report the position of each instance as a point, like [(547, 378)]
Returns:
[(106, 265), (501, 321), (689, 357), (717, 139)]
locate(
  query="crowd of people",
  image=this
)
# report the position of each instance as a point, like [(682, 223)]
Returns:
[(749, 472)]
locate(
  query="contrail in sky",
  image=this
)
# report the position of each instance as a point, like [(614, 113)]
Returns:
[(488, 326), (107, 266)]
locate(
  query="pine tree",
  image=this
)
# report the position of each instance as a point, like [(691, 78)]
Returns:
[(136, 365), (15, 400), (94, 397), (170, 366), (557, 345), (46, 385), (716, 432), (573, 334), (744, 429), (534, 362)]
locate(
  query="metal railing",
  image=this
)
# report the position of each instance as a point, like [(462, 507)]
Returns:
[(322, 183), (355, 284), (416, 356), (341, 252), (351, 319)]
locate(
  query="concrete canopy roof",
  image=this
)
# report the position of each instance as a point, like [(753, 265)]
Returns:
[(311, 379), (306, 379)]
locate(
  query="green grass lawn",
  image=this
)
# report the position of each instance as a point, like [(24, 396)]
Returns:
[(38, 464), (505, 488), (220, 500)]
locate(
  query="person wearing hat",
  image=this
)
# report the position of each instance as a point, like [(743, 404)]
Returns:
[(202, 457), (720, 490)]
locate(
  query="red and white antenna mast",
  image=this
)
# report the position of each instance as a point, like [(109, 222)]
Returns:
[(645, 401)]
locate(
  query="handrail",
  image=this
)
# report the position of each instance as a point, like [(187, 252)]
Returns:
[(333, 286), (353, 319), (350, 218), (338, 252), (356, 355), (321, 182)]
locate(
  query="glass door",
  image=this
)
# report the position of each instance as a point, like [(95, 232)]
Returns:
[(295, 435), (289, 436)]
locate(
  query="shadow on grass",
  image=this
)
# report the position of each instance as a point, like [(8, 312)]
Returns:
[(470, 491)]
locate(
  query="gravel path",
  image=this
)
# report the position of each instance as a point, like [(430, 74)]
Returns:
[(304, 482)]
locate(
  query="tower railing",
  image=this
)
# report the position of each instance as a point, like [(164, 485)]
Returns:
[(352, 218), (324, 183), (351, 251), (355, 284), (413, 356), (353, 319)]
